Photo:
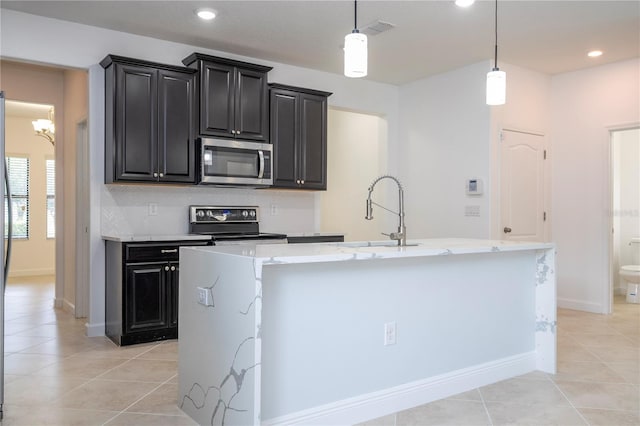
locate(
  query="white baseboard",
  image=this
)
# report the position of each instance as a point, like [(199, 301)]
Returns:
[(69, 307), (580, 305), (95, 330), (388, 401)]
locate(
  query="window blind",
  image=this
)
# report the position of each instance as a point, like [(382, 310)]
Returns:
[(18, 171), (51, 198)]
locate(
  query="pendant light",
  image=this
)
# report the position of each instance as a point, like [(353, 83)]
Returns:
[(355, 50), (496, 79)]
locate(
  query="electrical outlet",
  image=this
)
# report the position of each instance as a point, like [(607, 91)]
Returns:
[(390, 333), (153, 209), (204, 296)]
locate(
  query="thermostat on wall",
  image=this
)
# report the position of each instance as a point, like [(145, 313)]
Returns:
[(474, 186)]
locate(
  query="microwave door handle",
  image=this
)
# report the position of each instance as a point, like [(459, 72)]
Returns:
[(261, 158)]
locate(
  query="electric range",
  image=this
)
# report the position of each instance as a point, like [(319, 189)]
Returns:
[(231, 225)]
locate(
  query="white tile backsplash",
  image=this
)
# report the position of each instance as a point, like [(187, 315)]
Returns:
[(125, 208)]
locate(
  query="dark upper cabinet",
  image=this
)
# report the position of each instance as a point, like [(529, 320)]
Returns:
[(299, 135), (149, 122), (232, 98)]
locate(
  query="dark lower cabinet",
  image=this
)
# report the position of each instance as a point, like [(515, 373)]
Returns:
[(142, 287), (146, 293), (299, 136)]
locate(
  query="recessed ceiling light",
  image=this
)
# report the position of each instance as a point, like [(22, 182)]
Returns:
[(206, 14), (594, 53), (464, 3)]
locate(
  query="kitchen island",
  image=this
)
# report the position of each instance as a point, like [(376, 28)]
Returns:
[(340, 333)]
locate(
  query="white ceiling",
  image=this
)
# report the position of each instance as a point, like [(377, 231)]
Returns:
[(430, 37)]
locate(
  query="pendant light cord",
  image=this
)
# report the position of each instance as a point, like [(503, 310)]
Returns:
[(495, 66), (355, 16)]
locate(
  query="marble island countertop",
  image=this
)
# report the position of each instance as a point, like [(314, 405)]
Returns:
[(329, 252)]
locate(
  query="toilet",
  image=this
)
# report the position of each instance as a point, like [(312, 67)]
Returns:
[(631, 275)]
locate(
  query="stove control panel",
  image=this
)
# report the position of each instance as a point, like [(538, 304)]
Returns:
[(216, 214)]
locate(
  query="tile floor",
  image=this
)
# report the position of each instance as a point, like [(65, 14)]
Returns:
[(598, 382), (55, 375)]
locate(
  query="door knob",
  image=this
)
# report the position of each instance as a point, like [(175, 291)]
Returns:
[(506, 229)]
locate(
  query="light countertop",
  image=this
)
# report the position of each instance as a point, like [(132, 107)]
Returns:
[(147, 238), (316, 234), (329, 252)]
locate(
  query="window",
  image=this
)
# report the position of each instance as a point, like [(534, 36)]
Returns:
[(18, 171), (51, 198)]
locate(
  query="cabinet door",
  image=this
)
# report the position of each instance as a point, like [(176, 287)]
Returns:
[(135, 134), (217, 100), (313, 141), (251, 108), (284, 136), (173, 293), (146, 297), (176, 143)]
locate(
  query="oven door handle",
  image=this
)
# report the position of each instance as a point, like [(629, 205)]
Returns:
[(261, 161)]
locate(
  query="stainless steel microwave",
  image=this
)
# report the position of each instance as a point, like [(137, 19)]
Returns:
[(232, 162)]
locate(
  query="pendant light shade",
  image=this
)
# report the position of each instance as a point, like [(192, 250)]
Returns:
[(496, 87), (355, 50), (496, 79), (355, 55)]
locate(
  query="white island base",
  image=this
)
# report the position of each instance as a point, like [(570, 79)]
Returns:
[(295, 334)]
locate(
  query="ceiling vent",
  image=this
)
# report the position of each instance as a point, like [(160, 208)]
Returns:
[(376, 28)]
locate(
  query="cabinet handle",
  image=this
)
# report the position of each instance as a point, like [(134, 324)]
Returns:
[(166, 268), (161, 174), (233, 132), (302, 182), (173, 268), (163, 251), (155, 175)]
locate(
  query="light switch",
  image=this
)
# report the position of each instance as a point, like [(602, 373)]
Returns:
[(472, 211)]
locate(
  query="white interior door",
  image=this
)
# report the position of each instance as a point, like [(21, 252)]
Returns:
[(522, 186)]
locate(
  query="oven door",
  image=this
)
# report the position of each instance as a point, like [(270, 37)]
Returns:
[(228, 162)]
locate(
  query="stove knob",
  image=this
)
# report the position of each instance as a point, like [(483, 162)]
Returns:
[(209, 213), (245, 213), (200, 213), (252, 213)]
